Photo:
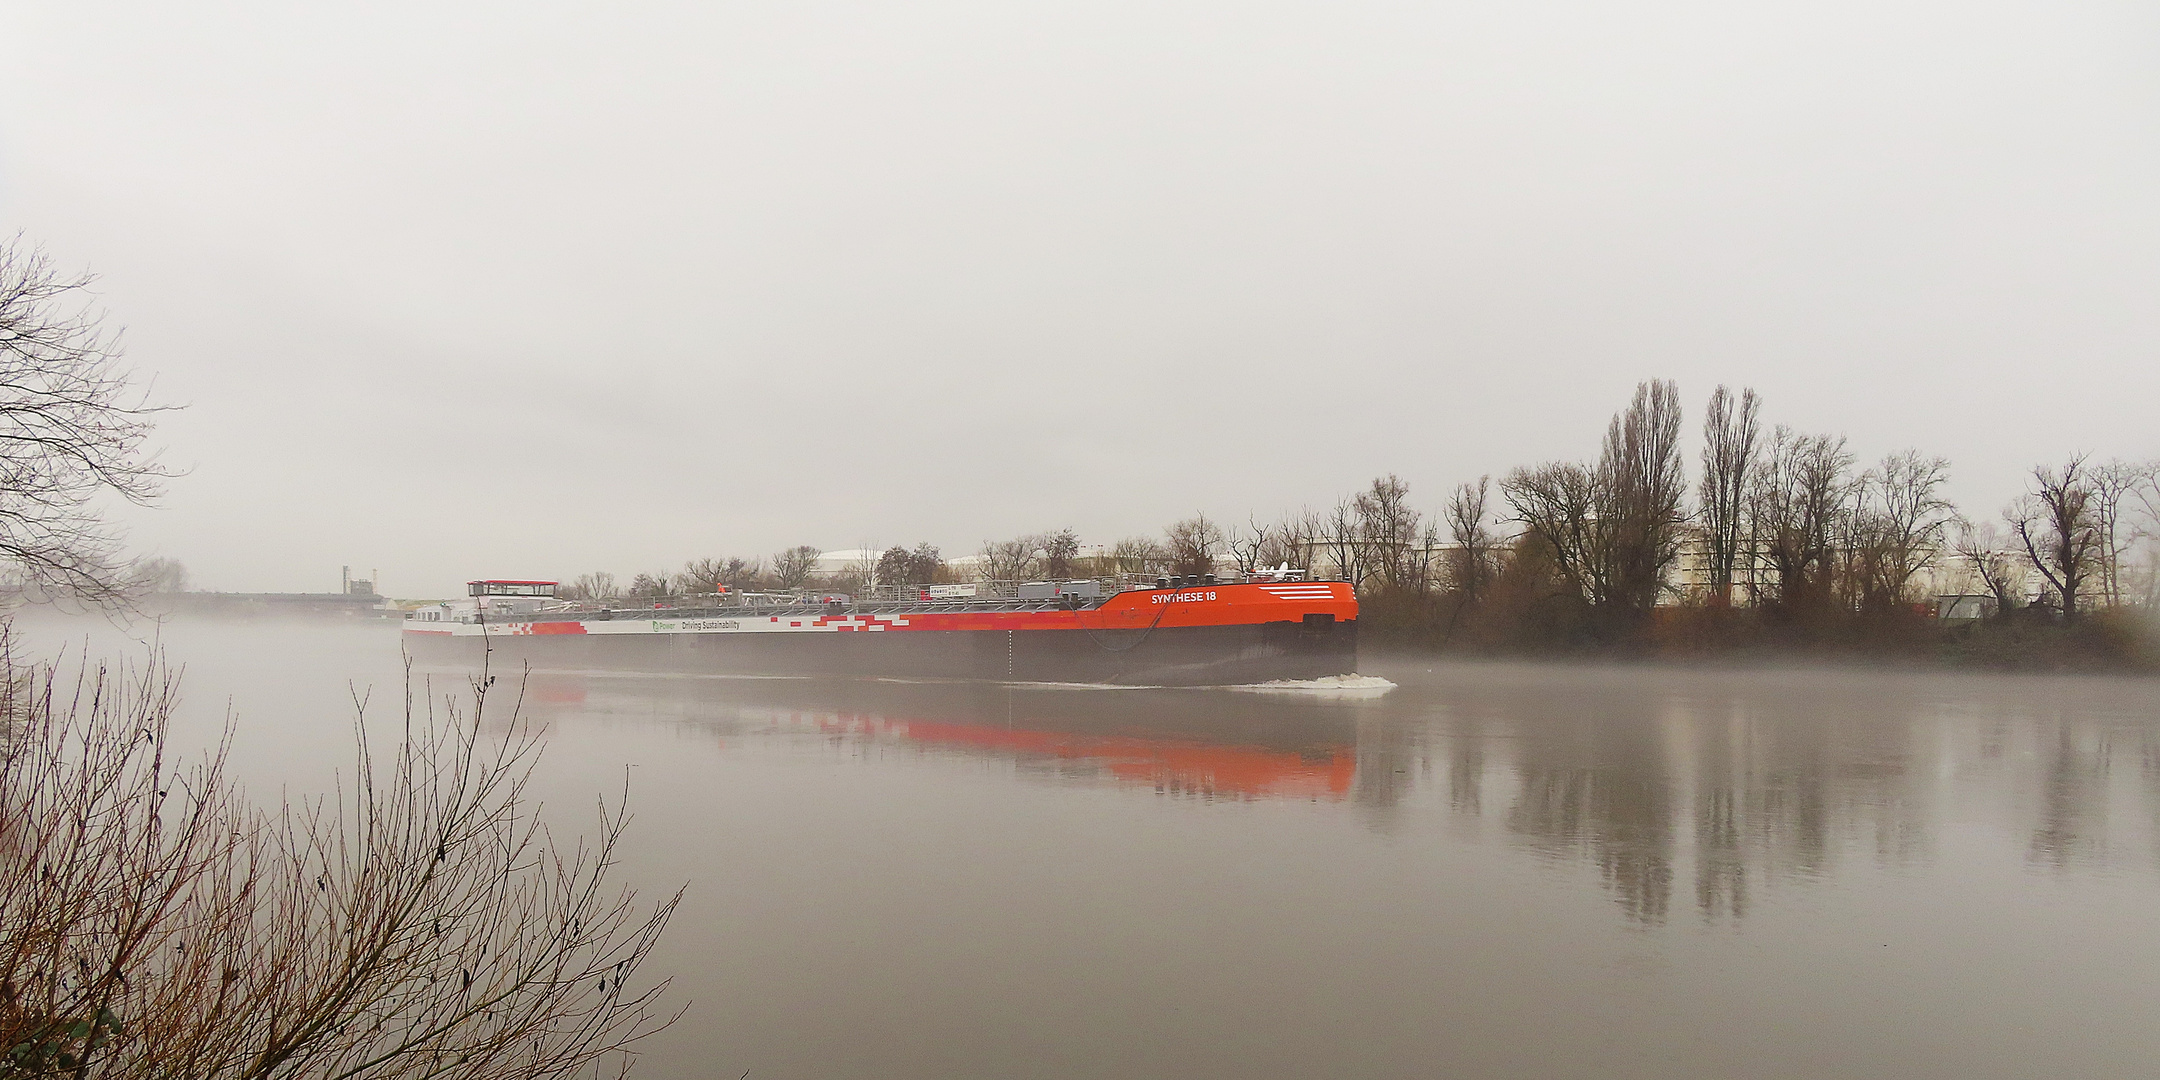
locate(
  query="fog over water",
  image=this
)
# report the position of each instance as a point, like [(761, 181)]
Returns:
[(483, 289), (480, 290), (1495, 870)]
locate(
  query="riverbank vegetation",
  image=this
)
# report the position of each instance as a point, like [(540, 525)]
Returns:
[(420, 922)]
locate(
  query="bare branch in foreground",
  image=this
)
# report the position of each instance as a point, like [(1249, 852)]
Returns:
[(420, 923)]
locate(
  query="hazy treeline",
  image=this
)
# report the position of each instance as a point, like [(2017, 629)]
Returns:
[(1780, 536), (792, 568), (1773, 535), (1196, 545)]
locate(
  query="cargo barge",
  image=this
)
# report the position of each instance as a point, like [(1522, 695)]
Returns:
[(1192, 631)]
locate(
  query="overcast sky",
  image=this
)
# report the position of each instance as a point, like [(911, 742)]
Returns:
[(458, 290)]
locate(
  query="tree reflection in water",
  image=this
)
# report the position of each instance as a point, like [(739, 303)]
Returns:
[(1743, 780)]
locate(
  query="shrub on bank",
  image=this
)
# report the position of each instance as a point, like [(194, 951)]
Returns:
[(2035, 639), (1525, 623), (419, 923)]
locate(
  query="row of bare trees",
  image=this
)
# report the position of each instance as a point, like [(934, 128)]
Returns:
[(790, 568), (1194, 545), (1787, 520), (1781, 520), (2078, 525)]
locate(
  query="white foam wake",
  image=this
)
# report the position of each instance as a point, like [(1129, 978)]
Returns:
[(1351, 685)]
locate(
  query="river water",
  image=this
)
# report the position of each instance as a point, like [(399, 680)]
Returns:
[(1494, 870)]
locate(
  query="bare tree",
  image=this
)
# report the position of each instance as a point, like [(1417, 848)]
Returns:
[(1558, 505), (1611, 532), (791, 568), (422, 923), (2001, 572), (652, 586), (1007, 560), (1138, 555), (1801, 488), (1295, 540), (2056, 523), (1730, 432), (741, 574), (158, 575), (1900, 523), (2115, 486), (2145, 534), (72, 431), (1010, 560), (1344, 543), (1470, 562), (1389, 531), (701, 576), (1644, 485), (599, 585), (1423, 569), (1247, 545), (1192, 544)]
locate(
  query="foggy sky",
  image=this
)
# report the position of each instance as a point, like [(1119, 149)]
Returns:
[(456, 290)]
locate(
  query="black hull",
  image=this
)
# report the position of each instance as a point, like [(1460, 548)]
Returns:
[(1166, 656)]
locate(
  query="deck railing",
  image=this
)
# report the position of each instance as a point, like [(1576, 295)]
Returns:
[(979, 595)]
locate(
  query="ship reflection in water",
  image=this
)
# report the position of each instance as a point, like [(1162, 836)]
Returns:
[(1144, 738), (1168, 765)]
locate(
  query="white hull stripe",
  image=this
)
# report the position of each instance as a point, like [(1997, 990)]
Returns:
[(813, 624)]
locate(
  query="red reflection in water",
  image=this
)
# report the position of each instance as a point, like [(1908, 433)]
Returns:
[(1172, 764), (555, 691)]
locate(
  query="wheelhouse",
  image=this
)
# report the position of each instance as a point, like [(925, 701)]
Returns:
[(529, 589)]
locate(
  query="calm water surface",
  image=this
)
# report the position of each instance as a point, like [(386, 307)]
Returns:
[(1494, 871)]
